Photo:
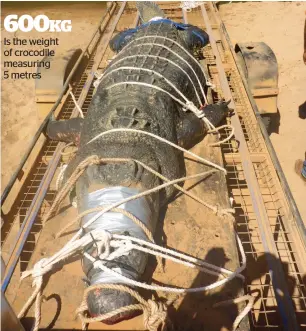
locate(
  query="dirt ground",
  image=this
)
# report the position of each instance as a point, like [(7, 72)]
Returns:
[(281, 26), (19, 119)]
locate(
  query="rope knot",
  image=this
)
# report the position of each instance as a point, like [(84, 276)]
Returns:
[(192, 107), (39, 269), (93, 159), (103, 244), (154, 315)]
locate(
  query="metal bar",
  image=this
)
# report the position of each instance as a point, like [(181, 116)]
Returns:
[(284, 301), (44, 123), (185, 17), (27, 225), (282, 178), (42, 190), (233, 158)]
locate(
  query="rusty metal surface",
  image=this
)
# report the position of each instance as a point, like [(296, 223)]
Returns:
[(290, 251), (262, 216), (197, 232), (275, 269)]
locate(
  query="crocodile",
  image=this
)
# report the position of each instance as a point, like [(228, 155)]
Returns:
[(157, 52)]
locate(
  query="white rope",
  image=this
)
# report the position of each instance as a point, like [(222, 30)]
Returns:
[(177, 44), (181, 58), (60, 176), (37, 294), (245, 310), (63, 166), (152, 72), (115, 205), (220, 212), (218, 143), (154, 57), (99, 264), (76, 244), (136, 196), (178, 257), (199, 158), (102, 209), (124, 245), (76, 104), (111, 240), (189, 105)]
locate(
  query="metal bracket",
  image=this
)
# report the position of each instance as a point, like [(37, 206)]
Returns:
[(260, 69)]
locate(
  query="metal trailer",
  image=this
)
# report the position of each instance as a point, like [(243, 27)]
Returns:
[(266, 217)]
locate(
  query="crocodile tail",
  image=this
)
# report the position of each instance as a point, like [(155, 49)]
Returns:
[(148, 10)]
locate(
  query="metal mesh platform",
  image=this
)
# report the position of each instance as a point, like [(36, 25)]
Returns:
[(289, 250)]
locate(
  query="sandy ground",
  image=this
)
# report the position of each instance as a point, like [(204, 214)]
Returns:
[(281, 26), (19, 119)]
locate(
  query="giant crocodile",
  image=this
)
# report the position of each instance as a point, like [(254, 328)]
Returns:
[(126, 97)]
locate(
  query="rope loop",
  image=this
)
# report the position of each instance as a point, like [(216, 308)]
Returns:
[(216, 130), (92, 159), (39, 269), (154, 315)]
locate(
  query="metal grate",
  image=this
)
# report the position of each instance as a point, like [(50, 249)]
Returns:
[(30, 187), (265, 314), (66, 114), (35, 177), (249, 123)]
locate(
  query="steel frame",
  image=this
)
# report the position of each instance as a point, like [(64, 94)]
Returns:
[(267, 219), (97, 52)]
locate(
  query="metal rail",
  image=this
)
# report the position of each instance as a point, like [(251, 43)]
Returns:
[(275, 268), (46, 180), (291, 202), (43, 125), (280, 222), (277, 300)]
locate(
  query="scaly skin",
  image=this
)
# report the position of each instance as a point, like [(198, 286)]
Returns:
[(141, 108), (148, 10)]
